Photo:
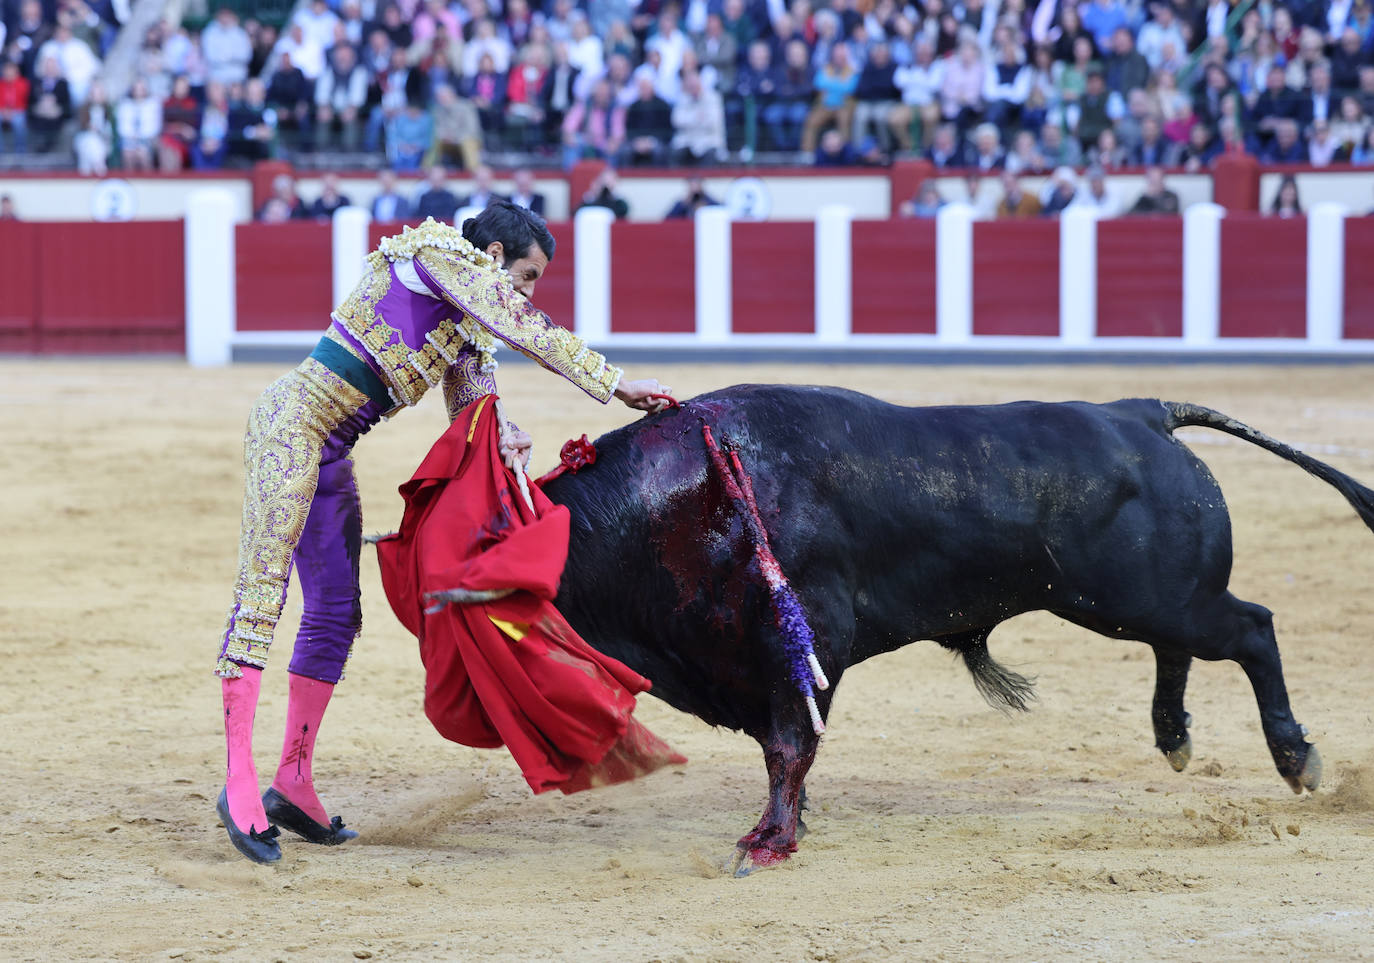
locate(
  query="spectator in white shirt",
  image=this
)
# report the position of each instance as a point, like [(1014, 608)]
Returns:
[(671, 44), (226, 48), (78, 62), (351, 19), (138, 119), (1338, 18), (698, 120), (317, 22), (306, 55), (1161, 31), (585, 51), (486, 43), (559, 22), (920, 84), (1097, 195), (1322, 146)]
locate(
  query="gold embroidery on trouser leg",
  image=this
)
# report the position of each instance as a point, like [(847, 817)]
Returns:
[(286, 434)]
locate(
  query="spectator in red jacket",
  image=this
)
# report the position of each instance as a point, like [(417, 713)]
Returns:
[(14, 106), (524, 110)]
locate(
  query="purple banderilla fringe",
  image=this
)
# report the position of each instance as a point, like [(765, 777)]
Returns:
[(797, 638)]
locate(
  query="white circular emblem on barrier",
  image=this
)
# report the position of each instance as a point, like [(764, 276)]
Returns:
[(113, 200), (748, 199)]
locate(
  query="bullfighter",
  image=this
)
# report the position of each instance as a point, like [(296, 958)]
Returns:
[(431, 309)]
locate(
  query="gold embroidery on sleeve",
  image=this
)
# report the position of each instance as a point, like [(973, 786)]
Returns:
[(490, 312)]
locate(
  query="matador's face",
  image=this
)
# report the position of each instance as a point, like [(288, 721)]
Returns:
[(524, 271)]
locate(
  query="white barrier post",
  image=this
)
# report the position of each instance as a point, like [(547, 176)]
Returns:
[(834, 274), (1202, 273), (1325, 274), (351, 247), (954, 274), (1077, 275), (713, 281), (210, 269), (592, 274)]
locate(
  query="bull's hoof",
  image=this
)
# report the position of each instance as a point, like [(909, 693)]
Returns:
[(1180, 757), (748, 861), (1311, 776)]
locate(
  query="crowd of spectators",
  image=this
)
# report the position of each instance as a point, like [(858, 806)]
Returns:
[(1061, 190), (50, 54), (433, 198), (1021, 85), (1064, 190)]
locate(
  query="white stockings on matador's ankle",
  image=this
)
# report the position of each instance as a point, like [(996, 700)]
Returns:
[(240, 775), (305, 708)]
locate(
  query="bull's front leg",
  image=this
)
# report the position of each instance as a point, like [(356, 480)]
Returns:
[(788, 752)]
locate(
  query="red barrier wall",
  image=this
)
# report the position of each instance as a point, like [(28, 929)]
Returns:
[(1359, 279), (893, 281), (1016, 277), (109, 287), (1263, 276), (554, 293), (284, 276), (653, 277), (18, 281), (376, 230), (773, 274), (1140, 277)]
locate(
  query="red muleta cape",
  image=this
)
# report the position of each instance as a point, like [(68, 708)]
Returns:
[(510, 671)]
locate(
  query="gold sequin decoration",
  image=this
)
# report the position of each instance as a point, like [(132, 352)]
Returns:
[(490, 311), (286, 434), (491, 307)]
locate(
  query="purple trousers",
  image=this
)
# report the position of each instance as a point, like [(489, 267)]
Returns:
[(326, 560), (300, 511)]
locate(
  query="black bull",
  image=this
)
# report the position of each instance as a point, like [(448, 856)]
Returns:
[(897, 524)]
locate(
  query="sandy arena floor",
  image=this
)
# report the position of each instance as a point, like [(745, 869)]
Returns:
[(941, 830)]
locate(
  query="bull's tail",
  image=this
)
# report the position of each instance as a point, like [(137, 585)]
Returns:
[(999, 686), (1184, 415)]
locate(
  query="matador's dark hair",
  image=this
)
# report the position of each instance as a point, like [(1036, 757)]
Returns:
[(514, 226)]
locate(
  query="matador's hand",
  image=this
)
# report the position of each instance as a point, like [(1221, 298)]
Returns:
[(515, 444), (637, 394)]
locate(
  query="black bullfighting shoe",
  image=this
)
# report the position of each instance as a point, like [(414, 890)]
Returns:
[(260, 847), (283, 812)]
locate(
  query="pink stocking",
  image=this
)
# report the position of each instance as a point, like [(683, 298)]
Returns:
[(241, 776), (304, 710)]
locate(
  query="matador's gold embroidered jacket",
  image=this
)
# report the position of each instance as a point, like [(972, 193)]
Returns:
[(431, 308)]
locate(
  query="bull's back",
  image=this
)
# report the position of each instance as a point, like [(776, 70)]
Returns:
[(1066, 507)]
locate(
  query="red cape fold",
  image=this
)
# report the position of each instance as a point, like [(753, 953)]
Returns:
[(509, 672)]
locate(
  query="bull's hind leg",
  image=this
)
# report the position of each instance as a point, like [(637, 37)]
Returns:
[(1297, 760), (1171, 721), (788, 751), (1244, 633)]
